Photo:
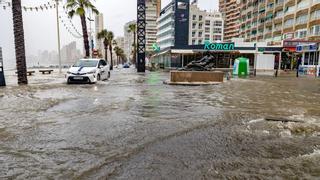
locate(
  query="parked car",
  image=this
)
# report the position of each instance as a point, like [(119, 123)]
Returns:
[(88, 71)]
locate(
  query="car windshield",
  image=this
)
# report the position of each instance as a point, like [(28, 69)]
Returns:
[(85, 63)]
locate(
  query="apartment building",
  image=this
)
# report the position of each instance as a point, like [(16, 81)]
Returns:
[(204, 26), (277, 20), (128, 39), (152, 13), (166, 26), (98, 28), (230, 10)]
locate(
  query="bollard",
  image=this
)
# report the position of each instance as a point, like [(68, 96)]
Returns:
[(2, 80)]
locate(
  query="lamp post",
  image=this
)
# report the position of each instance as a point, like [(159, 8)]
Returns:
[(58, 34)]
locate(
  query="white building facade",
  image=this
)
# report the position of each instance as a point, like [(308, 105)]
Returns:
[(165, 26), (128, 39), (98, 28), (151, 23), (204, 26)]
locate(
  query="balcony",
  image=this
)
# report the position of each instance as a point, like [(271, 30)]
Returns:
[(302, 5), (315, 16), (288, 25)]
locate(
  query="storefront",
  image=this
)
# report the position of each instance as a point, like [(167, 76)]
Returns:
[(224, 54), (310, 57)]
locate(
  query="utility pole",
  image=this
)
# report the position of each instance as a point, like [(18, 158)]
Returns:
[(58, 33)]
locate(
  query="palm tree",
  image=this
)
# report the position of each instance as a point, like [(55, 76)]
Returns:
[(19, 42), (110, 37), (133, 29), (117, 51), (79, 7), (103, 35), (120, 54)]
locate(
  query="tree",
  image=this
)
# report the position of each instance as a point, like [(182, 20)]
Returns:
[(110, 37), (19, 42), (120, 54), (103, 35), (117, 51), (133, 29), (79, 7)]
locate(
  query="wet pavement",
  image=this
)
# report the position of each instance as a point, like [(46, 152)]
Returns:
[(135, 127)]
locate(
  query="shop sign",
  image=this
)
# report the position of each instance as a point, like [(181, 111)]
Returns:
[(218, 46), (155, 47), (306, 47)]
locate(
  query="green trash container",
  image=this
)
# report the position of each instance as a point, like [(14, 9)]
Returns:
[(241, 67)]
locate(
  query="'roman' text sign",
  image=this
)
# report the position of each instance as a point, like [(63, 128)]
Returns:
[(218, 46)]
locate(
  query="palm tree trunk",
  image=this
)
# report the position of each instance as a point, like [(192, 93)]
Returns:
[(19, 42), (110, 49), (85, 35), (134, 48), (105, 49)]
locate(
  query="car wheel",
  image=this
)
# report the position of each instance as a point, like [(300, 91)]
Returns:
[(98, 77)]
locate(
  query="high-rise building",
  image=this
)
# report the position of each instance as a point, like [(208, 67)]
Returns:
[(128, 39), (230, 10), (173, 25), (152, 13), (98, 28), (204, 26), (120, 42), (277, 20), (69, 53), (181, 24)]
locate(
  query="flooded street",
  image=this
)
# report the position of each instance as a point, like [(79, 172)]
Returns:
[(135, 127)]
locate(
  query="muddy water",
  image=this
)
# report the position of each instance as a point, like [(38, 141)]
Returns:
[(134, 127)]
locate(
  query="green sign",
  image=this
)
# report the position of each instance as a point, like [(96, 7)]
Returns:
[(261, 49), (218, 46), (155, 47)]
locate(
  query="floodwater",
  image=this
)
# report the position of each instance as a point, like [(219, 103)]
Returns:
[(135, 127)]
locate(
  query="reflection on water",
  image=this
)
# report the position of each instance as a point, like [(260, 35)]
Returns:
[(134, 127)]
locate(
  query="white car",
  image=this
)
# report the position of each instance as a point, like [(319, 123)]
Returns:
[(88, 71)]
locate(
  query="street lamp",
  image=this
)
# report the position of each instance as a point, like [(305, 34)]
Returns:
[(58, 34)]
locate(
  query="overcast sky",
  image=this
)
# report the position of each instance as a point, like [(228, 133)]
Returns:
[(40, 27)]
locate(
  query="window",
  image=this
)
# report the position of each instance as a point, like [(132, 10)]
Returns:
[(217, 23), (193, 42), (200, 18), (207, 37), (200, 41), (207, 30), (200, 34), (315, 15), (200, 26), (315, 30), (217, 30), (194, 17), (302, 19), (194, 25), (207, 23), (217, 38), (301, 33), (193, 33), (288, 23)]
